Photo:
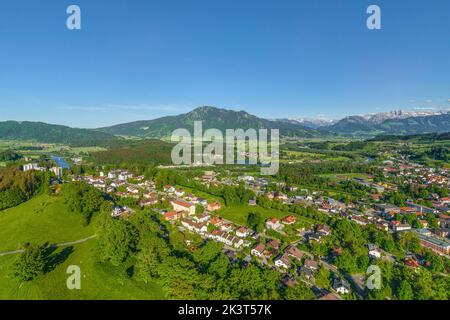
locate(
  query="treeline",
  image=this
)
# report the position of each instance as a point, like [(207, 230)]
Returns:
[(423, 137), (17, 186), (142, 152), (10, 155)]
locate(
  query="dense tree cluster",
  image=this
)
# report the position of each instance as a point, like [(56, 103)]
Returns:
[(82, 198), (17, 186)]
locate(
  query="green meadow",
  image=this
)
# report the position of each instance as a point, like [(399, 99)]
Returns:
[(239, 213), (44, 219), (40, 220), (98, 281)]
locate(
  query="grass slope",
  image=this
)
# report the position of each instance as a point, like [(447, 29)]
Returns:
[(42, 219), (98, 281)]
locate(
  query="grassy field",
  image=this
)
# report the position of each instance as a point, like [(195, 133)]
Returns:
[(238, 214), (45, 219), (345, 176), (42, 219), (98, 281)]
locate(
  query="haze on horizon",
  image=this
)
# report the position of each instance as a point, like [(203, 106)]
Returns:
[(139, 60)]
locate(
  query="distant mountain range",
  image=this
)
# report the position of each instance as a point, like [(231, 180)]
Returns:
[(387, 123), (380, 124)]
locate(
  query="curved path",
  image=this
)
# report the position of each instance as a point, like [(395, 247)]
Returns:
[(57, 245)]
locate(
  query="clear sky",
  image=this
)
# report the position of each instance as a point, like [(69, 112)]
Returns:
[(142, 59)]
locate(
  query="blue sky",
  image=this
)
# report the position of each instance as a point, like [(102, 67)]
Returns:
[(142, 59)]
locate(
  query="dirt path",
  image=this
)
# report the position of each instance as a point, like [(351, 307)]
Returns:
[(58, 245)]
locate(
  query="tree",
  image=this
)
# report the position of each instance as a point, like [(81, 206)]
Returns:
[(118, 238), (299, 292), (31, 263), (255, 221), (405, 291), (323, 278)]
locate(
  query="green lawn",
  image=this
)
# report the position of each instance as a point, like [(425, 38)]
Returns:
[(42, 219), (98, 281), (238, 214)]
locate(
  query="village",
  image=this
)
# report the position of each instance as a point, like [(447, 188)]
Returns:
[(196, 215)]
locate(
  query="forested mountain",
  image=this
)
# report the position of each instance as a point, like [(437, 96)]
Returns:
[(212, 117), (49, 133)]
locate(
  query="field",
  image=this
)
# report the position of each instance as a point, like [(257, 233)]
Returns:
[(45, 219), (42, 219), (238, 214), (98, 281)]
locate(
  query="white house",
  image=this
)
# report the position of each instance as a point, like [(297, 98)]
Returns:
[(243, 232), (374, 252), (258, 250), (283, 261), (179, 205), (274, 224)]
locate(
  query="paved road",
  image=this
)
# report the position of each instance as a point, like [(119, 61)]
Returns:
[(58, 245)]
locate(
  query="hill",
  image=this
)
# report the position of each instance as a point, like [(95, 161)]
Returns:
[(50, 133), (212, 117), (46, 219), (43, 218)]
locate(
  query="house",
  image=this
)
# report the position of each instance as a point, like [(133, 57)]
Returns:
[(289, 220), (243, 232), (274, 244), (314, 237), (274, 224), (179, 192), (226, 227), (172, 215), (216, 221), (407, 210), (401, 227), (228, 239), (424, 223), (214, 206), (288, 281), (323, 230), (341, 286), (148, 202), (169, 189), (119, 211), (329, 296), (280, 196), (311, 265), (283, 261), (201, 218), (132, 190), (305, 272), (294, 252), (179, 205), (194, 226), (124, 176), (412, 262), (258, 250), (374, 252)]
